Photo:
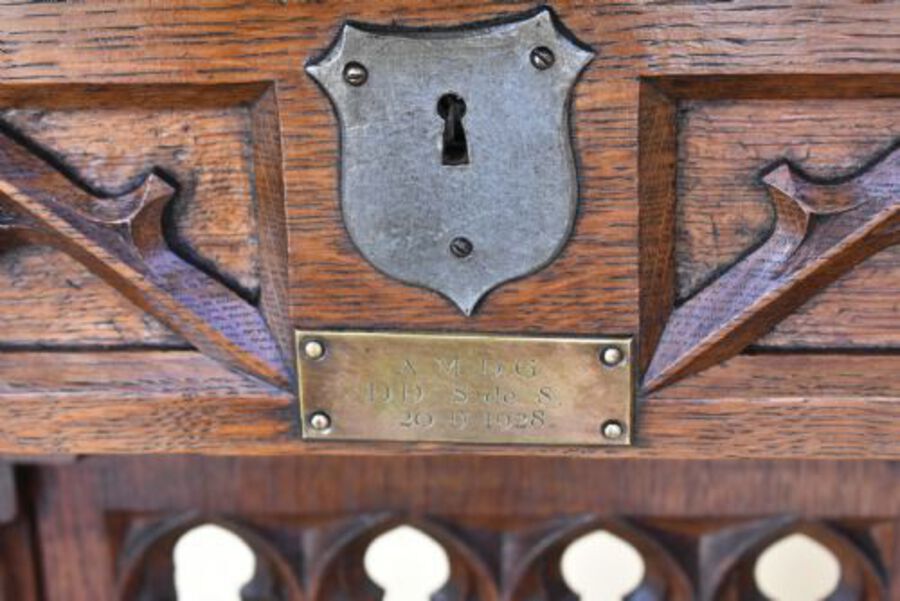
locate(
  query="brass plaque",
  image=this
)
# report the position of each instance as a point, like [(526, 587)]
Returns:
[(465, 388)]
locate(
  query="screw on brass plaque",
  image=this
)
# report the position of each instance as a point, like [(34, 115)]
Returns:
[(369, 386)]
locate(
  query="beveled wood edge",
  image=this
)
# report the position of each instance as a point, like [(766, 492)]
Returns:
[(753, 406)]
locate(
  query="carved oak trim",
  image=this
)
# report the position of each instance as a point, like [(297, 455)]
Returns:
[(122, 240), (822, 230)]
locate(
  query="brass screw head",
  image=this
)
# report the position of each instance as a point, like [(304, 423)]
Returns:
[(542, 58), (355, 74), (320, 421), (611, 356), (612, 430), (313, 349)]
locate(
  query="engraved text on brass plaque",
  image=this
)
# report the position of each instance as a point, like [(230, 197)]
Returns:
[(465, 388)]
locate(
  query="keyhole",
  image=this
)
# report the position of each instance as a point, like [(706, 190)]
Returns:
[(452, 109)]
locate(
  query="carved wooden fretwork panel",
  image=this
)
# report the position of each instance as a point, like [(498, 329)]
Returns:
[(310, 525), (683, 560)]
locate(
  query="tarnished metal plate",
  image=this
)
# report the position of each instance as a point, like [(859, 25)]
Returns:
[(494, 203), (465, 388)]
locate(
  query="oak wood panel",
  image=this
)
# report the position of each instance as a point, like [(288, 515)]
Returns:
[(724, 210), (74, 308), (495, 487), (172, 400), (280, 37), (139, 402), (123, 239), (54, 51), (743, 83), (821, 231), (207, 151), (110, 148)]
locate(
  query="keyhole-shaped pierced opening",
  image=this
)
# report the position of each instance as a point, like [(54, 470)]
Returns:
[(797, 568), (212, 564), (600, 566), (407, 564), (452, 109)]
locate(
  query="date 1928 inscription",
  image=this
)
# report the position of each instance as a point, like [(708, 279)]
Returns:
[(454, 388)]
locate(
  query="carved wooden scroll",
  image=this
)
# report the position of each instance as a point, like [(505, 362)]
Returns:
[(822, 230), (122, 240)]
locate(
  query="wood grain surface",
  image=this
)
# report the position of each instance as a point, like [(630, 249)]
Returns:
[(751, 406), (673, 122), (724, 210), (123, 239), (109, 139), (822, 230)]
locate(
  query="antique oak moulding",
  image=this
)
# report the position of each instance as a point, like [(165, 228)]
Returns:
[(376, 228)]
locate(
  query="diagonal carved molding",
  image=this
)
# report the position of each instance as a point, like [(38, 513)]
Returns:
[(822, 230), (121, 240)]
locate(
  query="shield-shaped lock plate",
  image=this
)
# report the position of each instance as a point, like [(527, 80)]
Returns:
[(457, 169)]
